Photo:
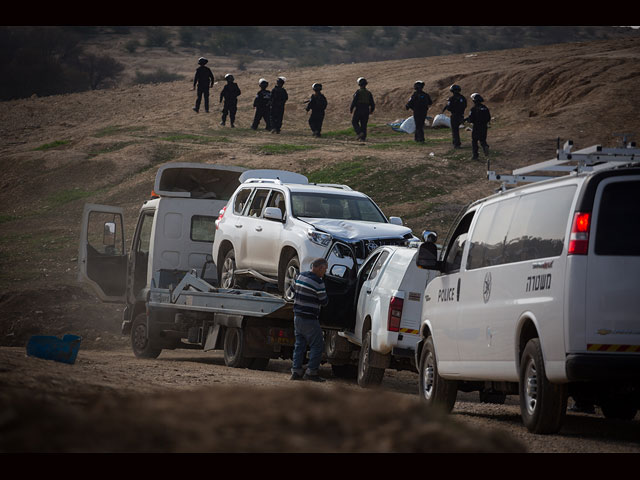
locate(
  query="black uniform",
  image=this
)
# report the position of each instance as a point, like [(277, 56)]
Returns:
[(317, 105), (204, 80), (456, 104), (419, 103), (230, 94), (361, 106), (480, 117), (279, 97), (262, 104)]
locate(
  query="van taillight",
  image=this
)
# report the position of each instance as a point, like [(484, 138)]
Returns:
[(220, 216), (395, 313), (579, 238)]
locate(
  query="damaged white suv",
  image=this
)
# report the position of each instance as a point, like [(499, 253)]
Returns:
[(276, 223)]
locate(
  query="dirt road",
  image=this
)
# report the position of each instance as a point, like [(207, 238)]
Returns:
[(110, 401)]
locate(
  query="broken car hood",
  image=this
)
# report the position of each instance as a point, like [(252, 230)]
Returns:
[(356, 230)]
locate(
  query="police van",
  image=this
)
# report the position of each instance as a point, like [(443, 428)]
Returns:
[(538, 292)]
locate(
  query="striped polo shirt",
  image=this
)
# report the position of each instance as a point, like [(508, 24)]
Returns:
[(310, 295)]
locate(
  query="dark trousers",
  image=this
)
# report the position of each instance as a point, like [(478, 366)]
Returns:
[(419, 118), (479, 135), (359, 121), (315, 122), (262, 113), (456, 121), (277, 114), (229, 109), (203, 92)]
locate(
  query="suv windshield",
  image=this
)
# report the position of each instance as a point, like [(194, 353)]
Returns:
[(341, 207)]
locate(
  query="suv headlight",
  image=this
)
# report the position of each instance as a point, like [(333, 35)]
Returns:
[(319, 238)]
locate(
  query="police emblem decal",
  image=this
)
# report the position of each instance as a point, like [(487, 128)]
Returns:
[(486, 287)]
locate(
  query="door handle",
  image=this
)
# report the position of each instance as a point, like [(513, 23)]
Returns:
[(258, 228), (368, 290), (238, 225)]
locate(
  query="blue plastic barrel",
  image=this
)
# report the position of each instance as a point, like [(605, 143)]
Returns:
[(53, 348)]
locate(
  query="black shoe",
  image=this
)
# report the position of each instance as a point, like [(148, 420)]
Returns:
[(195, 109), (314, 378), (296, 376), (475, 158)]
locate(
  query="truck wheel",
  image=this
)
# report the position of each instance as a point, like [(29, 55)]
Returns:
[(368, 376), (619, 408), (289, 278), (228, 277), (543, 404), (435, 391), (140, 344), (234, 349)]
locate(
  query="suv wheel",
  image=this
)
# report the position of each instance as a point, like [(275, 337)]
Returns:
[(290, 273), (543, 404), (228, 278)]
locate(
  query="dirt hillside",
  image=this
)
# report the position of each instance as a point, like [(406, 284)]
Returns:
[(104, 146)]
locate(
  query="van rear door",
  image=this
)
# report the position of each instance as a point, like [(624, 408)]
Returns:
[(613, 267), (102, 259)]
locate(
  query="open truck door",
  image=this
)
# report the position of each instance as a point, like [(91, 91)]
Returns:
[(102, 258)]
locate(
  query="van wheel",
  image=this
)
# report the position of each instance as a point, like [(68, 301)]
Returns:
[(543, 405), (234, 349), (228, 277), (140, 344), (368, 376), (435, 391), (289, 278)]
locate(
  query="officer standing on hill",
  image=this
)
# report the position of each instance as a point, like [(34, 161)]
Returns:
[(456, 104), (279, 97), (230, 94), (204, 80), (480, 117), (419, 102), (361, 107), (262, 104), (317, 104)]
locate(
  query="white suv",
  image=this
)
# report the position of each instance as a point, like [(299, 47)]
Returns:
[(538, 294), (276, 223)]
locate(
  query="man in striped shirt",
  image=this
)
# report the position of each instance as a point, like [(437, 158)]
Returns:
[(310, 296)]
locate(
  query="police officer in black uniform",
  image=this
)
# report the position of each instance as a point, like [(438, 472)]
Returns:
[(419, 102), (204, 80), (317, 104), (279, 97), (456, 104), (361, 107), (262, 104), (480, 116), (230, 94)]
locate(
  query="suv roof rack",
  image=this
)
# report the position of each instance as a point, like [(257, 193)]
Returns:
[(588, 159), (333, 185)]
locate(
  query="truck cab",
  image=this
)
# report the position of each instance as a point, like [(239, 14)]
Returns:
[(173, 235)]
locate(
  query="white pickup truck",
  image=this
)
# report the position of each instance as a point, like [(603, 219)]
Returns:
[(386, 314)]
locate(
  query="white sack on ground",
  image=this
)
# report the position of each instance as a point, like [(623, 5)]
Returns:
[(442, 121), (409, 125)]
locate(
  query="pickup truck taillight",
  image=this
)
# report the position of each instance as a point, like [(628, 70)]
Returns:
[(579, 237), (395, 313), (224, 209)]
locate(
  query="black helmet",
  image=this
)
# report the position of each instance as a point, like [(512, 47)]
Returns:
[(476, 97), (455, 88), (418, 84), (362, 81), (228, 77), (317, 87), (202, 61)]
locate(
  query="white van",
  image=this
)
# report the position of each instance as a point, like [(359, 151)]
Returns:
[(539, 295)]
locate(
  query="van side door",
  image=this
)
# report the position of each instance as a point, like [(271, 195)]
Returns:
[(102, 258)]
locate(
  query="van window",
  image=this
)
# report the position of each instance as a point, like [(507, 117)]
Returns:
[(241, 201), (487, 241), (539, 225), (453, 255), (203, 228), (618, 229)]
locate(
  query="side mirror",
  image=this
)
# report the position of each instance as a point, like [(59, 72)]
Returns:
[(429, 236), (427, 256), (273, 213), (395, 220), (339, 271)]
